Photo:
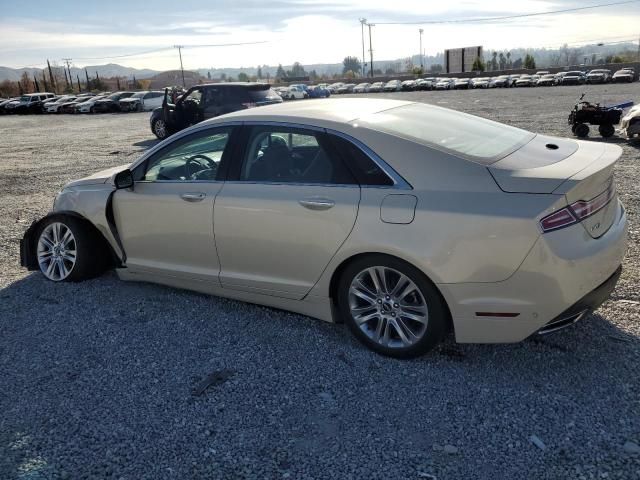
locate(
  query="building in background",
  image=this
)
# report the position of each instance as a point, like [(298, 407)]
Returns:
[(458, 60)]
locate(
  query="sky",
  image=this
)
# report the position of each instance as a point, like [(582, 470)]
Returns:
[(308, 31)]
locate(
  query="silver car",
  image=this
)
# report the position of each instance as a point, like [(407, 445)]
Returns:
[(402, 219)]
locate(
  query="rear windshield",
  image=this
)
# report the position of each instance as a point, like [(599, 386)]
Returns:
[(263, 95), (477, 139)]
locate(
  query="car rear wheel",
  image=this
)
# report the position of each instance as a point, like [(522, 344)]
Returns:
[(391, 307), (69, 251), (159, 128)]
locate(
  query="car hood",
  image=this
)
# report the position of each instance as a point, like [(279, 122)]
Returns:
[(98, 178)]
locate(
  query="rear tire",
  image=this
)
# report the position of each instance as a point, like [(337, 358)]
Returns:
[(607, 131), (70, 250), (582, 130), (391, 307)]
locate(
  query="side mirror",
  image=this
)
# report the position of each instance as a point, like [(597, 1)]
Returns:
[(123, 179)]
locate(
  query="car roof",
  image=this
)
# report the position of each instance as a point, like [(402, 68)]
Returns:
[(314, 112)]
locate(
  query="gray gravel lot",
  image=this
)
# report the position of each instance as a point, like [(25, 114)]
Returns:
[(97, 379)]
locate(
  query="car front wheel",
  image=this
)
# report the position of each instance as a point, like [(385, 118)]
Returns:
[(68, 250), (391, 307), (159, 128)]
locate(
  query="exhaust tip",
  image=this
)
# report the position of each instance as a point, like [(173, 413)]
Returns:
[(551, 146)]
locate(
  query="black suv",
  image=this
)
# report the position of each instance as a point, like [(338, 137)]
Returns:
[(207, 101)]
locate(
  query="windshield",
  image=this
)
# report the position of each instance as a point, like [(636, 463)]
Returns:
[(138, 95), (574, 73), (25, 98), (475, 138)]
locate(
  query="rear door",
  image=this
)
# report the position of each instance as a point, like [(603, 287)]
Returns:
[(287, 207)]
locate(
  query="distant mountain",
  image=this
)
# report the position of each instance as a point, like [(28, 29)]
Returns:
[(104, 71)]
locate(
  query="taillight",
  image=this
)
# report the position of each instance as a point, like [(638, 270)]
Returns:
[(577, 211), (560, 219)]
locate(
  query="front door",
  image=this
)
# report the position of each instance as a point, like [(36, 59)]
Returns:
[(166, 221), (286, 209)]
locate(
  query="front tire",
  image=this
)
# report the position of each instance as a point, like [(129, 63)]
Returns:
[(581, 130), (391, 307), (68, 250), (160, 129)]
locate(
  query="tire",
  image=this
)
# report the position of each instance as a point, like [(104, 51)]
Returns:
[(159, 128), (57, 238), (607, 131), (581, 130), (388, 329)]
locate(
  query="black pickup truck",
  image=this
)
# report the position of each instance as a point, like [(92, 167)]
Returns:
[(207, 101)]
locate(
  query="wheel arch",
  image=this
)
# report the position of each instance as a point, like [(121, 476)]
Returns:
[(337, 274), (28, 245)]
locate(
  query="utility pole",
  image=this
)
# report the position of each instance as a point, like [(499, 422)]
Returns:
[(180, 47), (421, 58), (370, 49), (363, 22), (68, 62)]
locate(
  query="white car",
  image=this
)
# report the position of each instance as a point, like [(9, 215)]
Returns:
[(630, 123), (361, 88), (52, 107), (445, 83), (295, 92), (142, 101), (87, 106)]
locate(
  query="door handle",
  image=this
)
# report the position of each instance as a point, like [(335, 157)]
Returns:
[(317, 203), (193, 196)]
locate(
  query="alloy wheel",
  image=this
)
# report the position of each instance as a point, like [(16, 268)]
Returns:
[(160, 129), (388, 307), (57, 251)]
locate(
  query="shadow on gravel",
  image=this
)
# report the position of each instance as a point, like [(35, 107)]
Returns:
[(615, 140), (147, 143)]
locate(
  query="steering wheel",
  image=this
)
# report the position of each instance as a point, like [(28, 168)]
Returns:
[(197, 164)]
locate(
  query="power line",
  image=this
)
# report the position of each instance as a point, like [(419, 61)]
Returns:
[(508, 17)]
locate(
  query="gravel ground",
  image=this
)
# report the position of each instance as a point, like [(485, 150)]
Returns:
[(103, 379)]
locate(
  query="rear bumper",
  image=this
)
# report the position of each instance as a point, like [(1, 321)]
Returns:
[(587, 304), (566, 272)]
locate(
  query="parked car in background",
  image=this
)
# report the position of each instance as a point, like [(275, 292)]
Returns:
[(4, 104), (525, 81), (333, 88), (574, 77), (207, 101), (376, 87), (522, 238), (43, 107), (346, 88), (480, 82), (70, 106), (392, 86), (52, 107), (425, 83), (599, 75), (142, 101), (445, 83), (87, 105), (318, 91), (361, 88), (541, 73), (408, 86), (110, 103), (547, 80), (558, 77), (31, 103), (501, 81), (513, 78), (295, 92), (461, 84), (624, 75)]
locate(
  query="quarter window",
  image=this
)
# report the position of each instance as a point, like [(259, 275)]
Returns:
[(192, 158), (366, 171), (284, 155)]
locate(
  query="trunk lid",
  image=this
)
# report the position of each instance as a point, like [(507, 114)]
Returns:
[(579, 170)]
